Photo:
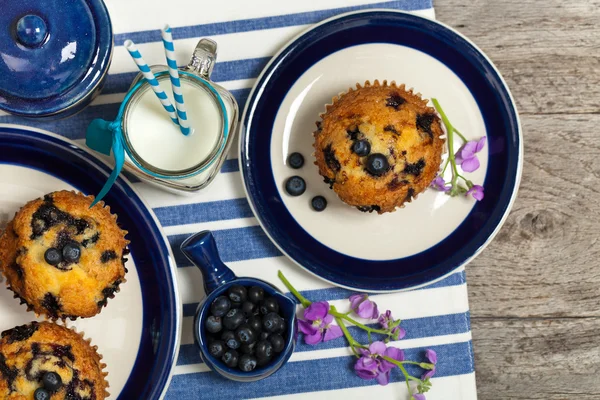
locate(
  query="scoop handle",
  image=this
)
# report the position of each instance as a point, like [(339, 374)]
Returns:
[(201, 249)]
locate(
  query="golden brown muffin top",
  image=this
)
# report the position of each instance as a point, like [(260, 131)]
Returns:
[(27, 352), (70, 288), (398, 125)]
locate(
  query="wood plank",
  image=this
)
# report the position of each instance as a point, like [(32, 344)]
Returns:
[(544, 262), (547, 50), (543, 359)]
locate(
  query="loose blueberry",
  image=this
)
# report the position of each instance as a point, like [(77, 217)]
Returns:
[(213, 324), (52, 256), (264, 351), (277, 342), (249, 308), (247, 362), (230, 340), (377, 164), (269, 305), (256, 294), (71, 252), (361, 148), (41, 394), (255, 323), (272, 322), (237, 294), (319, 203), (230, 358), (295, 160), (248, 348), (220, 306), (234, 318), (295, 186), (245, 334), (216, 348)]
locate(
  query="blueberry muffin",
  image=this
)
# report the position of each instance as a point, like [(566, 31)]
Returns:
[(61, 257), (46, 357), (378, 146)]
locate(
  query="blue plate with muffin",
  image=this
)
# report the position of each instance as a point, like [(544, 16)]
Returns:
[(107, 272), (339, 144)]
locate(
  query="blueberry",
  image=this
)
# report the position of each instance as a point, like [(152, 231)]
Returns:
[(230, 358), (295, 160), (264, 350), (256, 294), (71, 252), (295, 186), (255, 323), (220, 306), (41, 394), (230, 340), (234, 318), (269, 305), (278, 342), (264, 335), (237, 293), (272, 322), (249, 308), (319, 203), (377, 164), (216, 348), (248, 348), (361, 148), (245, 334), (213, 324), (235, 304), (52, 256), (247, 363)]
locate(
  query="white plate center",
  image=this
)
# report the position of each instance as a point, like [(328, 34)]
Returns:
[(410, 230)]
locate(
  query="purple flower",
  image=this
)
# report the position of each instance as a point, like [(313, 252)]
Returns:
[(476, 191), (364, 307), (439, 184), (372, 366), (317, 326), (386, 319), (465, 156), (432, 357), (419, 396)]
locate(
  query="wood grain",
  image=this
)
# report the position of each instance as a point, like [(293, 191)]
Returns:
[(535, 291), (547, 50)]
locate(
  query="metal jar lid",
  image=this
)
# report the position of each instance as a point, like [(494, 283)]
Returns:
[(53, 54)]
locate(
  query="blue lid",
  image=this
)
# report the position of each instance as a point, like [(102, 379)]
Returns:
[(53, 53)]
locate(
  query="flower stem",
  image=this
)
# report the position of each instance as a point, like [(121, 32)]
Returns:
[(353, 343), (450, 130), (336, 314), (303, 300), (407, 377), (461, 135)]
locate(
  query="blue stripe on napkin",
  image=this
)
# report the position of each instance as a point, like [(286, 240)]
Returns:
[(279, 21), (416, 328), (314, 375)]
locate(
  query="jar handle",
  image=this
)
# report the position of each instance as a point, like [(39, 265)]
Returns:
[(204, 58)]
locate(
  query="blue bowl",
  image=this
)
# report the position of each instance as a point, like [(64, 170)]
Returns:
[(201, 249)]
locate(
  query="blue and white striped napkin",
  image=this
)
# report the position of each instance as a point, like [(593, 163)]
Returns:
[(248, 34)]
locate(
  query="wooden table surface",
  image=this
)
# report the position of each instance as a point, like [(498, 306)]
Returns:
[(535, 291)]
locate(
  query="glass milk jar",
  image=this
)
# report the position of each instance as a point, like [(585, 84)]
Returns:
[(155, 149)]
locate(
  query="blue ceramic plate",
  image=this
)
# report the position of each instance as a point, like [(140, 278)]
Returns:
[(433, 235), (138, 332)]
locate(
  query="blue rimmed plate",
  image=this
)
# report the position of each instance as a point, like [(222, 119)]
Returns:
[(433, 235), (138, 332)]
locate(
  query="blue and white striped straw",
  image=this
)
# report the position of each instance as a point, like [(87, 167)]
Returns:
[(167, 38), (145, 70)]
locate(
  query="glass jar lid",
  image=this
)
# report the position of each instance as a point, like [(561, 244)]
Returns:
[(53, 54)]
